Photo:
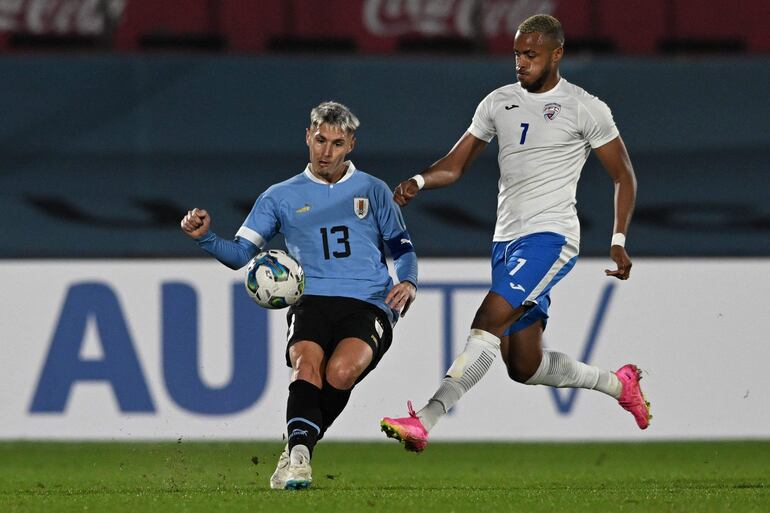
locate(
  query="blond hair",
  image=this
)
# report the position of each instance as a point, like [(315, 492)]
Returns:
[(334, 114)]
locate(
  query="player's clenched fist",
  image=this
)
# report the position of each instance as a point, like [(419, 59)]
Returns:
[(196, 223), (405, 191)]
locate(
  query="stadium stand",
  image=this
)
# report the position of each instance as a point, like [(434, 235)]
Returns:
[(381, 26), (118, 113)]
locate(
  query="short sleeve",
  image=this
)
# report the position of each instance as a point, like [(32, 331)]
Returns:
[(483, 125), (263, 222), (597, 124)]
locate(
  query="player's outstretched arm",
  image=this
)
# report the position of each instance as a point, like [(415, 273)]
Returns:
[(233, 253), (615, 160), (443, 172), (196, 223)]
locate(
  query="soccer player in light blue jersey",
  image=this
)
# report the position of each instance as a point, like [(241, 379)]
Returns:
[(336, 221), (545, 128)]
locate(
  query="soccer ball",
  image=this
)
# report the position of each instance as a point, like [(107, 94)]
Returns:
[(274, 279)]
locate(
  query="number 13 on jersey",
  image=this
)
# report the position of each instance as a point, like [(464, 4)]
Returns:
[(341, 240)]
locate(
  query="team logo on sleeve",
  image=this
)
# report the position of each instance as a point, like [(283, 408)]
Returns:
[(551, 110), (361, 207)]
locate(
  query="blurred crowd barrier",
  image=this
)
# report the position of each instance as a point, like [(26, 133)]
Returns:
[(381, 26), (103, 154)]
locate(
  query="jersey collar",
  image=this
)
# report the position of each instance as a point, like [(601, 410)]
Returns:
[(551, 91), (314, 178)]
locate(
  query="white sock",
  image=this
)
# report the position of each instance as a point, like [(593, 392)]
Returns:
[(559, 370), (468, 368), (609, 383), (299, 454)]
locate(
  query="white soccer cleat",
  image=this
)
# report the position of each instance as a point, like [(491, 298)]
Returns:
[(278, 479), (299, 475)]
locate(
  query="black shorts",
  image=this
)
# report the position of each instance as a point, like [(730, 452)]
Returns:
[(326, 320)]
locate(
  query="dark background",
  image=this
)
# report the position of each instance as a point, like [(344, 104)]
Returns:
[(116, 121)]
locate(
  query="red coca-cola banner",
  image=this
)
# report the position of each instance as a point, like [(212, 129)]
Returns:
[(61, 17), (464, 18), (490, 23), (382, 26)]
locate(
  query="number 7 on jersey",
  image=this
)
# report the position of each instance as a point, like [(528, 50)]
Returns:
[(525, 126)]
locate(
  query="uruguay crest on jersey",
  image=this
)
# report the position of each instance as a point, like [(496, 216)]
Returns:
[(361, 207)]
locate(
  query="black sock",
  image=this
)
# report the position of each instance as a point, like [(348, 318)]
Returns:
[(333, 401), (303, 414)]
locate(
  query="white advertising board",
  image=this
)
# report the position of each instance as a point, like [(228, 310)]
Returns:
[(166, 349)]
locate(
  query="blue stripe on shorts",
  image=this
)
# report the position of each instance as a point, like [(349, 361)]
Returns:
[(525, 269)]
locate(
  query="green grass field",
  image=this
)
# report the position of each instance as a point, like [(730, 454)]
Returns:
[(489, 478)]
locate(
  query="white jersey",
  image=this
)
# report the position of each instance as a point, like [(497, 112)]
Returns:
[(544, 140)]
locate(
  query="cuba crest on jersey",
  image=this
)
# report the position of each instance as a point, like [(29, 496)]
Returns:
[(361, 207), (551, 110)]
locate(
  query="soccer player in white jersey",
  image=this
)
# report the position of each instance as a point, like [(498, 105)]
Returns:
[(545, 127), (336, 221)]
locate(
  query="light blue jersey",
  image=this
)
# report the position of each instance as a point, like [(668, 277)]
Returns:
[(337, 232)]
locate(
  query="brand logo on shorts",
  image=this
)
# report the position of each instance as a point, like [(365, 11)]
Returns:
[(516, 286), (551, 110), (304, 209), (361, 207)]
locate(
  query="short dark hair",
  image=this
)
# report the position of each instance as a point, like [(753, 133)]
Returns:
[(544, 23)]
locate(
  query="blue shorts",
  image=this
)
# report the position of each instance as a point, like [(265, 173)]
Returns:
[(525, 269)]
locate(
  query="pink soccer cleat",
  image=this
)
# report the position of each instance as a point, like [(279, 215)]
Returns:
[(406, 429), (631, 398)]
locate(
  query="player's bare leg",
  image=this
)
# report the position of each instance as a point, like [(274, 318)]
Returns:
[(350, 359), (528, 363), (339, 374)]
